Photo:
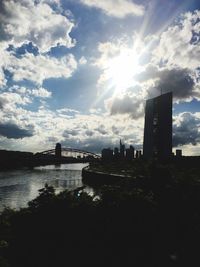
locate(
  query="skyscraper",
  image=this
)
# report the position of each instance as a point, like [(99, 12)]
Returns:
[(121, 149), (158, 127)]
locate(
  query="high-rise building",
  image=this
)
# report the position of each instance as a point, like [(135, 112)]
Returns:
[(107, 154), (121, 150), (158, 127), (116, 153), (138, 154), (130, 153)]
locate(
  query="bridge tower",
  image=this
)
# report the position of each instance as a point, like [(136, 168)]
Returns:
[(58, 151)]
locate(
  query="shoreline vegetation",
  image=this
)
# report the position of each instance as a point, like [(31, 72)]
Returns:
[(151, 218)]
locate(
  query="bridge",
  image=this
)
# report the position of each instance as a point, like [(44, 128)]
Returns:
[(61, 155), (70, 152)]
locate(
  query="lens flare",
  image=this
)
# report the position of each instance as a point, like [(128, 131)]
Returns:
[(121, 70)]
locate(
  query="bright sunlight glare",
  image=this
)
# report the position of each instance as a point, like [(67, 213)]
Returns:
[(121, 70)]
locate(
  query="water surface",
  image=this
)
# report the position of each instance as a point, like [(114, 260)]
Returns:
[(17, 187)]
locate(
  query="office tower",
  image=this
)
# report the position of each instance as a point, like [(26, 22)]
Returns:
[(107, 154), (130, 153), (138, 154), (116, 153), (158, 127), (132, 149), (121, 150)]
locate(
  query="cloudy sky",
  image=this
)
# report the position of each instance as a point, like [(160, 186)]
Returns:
[(79, 71)]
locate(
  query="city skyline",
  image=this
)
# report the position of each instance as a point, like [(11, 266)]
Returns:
[(79, 72)]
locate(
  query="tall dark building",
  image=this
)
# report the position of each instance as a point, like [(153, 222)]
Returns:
[(107, 154), (158, 127), (130, 153), (116, 153), (121, 150)]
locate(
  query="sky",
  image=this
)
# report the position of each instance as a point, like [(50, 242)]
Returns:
[(79, 72)]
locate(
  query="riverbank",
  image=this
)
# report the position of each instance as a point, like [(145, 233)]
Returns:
[(94, 177), (112, 172), (185, 168)]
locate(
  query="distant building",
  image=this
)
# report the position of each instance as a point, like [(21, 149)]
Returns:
[(107, 154), (116, 153), (130, 153), (138, 154), (122, 150), (119, 153), (158, 127), (178, 153), (58, 151)]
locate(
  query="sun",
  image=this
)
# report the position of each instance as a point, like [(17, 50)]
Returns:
[(121, 70)]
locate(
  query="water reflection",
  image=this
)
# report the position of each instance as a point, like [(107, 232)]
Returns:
[(20, 186)]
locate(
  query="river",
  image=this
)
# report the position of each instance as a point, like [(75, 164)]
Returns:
[(17, 187)]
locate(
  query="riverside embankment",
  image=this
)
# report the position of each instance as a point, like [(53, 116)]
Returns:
[(93, 176)]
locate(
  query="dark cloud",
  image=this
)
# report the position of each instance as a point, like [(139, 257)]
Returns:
[(53, 139), (68, 133), (186, 132), (179, 81), (89, 133), (128, 104), (3, 102), (3, 15), (95, 144), (10, 130), (101, 129), (92, 144), (115, 130)]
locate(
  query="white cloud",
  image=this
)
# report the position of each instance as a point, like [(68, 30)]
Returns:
[(116, 8), (2, 78), (24, 91), (3, 62), (38, 68), (67, 111), (41, 92), (82, 61), (92, 132), (179, 44), (9, 100), (25, 21)]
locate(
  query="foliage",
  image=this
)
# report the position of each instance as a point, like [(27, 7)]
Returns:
[(151, 220)]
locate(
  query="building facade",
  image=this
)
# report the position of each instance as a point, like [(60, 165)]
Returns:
[(107, 154), (121, 150), (158, 127), (130, 153)]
